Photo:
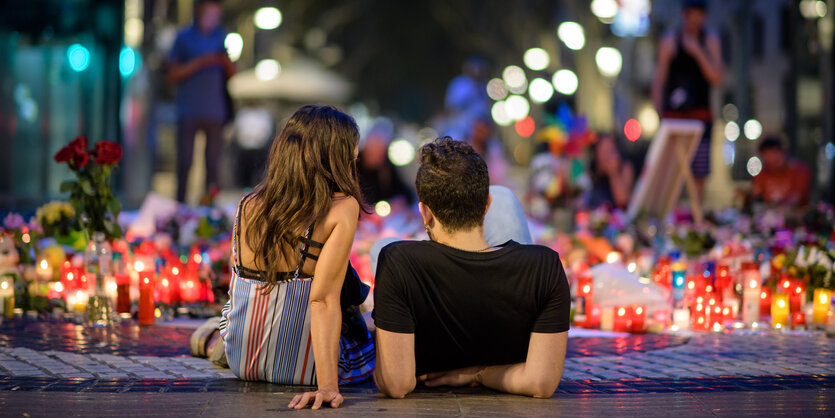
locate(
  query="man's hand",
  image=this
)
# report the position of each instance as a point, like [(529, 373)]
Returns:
[(459, 377), (331, 396), (691, 45)]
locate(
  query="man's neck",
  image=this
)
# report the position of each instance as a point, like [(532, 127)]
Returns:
[(467, 240)]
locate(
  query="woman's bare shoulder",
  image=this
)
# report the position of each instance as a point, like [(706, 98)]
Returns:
[(344, 209)]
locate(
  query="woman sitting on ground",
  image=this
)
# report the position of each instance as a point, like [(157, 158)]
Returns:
[(292, 317)]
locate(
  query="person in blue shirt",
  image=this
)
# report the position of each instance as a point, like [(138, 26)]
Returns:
[(199, 65)]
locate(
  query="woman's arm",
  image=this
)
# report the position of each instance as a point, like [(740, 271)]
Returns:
[(709, 58), (325, 309)]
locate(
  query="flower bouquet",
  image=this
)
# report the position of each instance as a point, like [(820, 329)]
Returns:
[(90, 194)]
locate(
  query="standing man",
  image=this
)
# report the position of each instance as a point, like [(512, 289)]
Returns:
[(689, 63), (199, 65)]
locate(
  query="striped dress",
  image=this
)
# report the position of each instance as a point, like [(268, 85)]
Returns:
[(267, 336)]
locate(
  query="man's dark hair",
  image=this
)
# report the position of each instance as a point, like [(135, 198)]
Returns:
[(771, 143), (453, 181), (695, 4)]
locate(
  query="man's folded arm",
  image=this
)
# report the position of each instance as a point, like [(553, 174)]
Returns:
[(395, 370), (540, 373)]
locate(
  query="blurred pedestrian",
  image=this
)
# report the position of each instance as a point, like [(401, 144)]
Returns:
[(612, 177), (379, 178), (199, 65), (782, 181), (466, 99), (689, 63)]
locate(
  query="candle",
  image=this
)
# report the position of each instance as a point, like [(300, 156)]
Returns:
[(780, 310), (622, 320), (639, 318), (821, 306), (681, 319), (751, 296), (44, 274), (593, 317), (584, 299), (7, 296), (607, 319), (189, 289), (146, 298), (765, 301), (700, 321), (716, 318), (798, 295), (678, 281), (723, 277), (77, 301), (798, 320)]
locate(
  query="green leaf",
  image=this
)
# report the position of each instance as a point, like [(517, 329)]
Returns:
[(87, 187), (68, 185), (115, 206)]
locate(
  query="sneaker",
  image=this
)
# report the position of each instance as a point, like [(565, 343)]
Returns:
[(201, 336)]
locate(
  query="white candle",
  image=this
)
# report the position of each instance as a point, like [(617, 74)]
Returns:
[(751, 300)]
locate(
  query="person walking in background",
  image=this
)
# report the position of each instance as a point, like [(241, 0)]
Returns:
[(199, 65), (689, 63)]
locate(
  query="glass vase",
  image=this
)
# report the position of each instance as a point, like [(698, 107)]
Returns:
[(97, 263)]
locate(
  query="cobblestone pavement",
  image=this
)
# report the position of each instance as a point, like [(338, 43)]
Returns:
[(675, 369)]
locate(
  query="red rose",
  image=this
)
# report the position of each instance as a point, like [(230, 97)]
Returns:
[(80, 159), (64, 154), (79, 144), (107, 152)]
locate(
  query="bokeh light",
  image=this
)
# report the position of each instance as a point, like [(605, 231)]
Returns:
[(730, 112), (514, 77), (752, 129), (540, 90), (632, 129), (754, 166), (267, 18), (517, 107), (134, 30), (732, 131), (127, 61), (605, 10), (565, 82), (382, 208), (267, 69), (536, 59), (609, 61), (234, 44), (401, 152), (572, 35), (525, 127), (496, 89), (648, 118), (829, 151), (499, 113), (79, 57)]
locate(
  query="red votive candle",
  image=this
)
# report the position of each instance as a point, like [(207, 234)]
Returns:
[(798, 320), (639, 318), (765, 301), (146, 298), (622, 322)]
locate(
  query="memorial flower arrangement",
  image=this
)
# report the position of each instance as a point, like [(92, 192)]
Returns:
[(90, 194)]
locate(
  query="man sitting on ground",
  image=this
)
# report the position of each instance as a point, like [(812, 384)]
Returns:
[(458, 310)]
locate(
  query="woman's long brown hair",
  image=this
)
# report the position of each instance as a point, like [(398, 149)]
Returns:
[(311, 158)]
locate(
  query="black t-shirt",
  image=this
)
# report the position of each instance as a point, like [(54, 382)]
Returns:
[(467, 308)]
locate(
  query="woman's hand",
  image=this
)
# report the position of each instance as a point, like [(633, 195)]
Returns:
[(459, 377), (331, 396)]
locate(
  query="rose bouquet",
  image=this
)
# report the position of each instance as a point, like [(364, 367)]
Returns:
[(90, 194)]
